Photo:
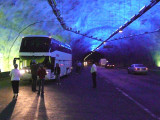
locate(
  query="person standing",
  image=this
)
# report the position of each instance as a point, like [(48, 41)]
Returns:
[(57, 72), (94, 73), (41, 74), (34, 68), (15, 78)]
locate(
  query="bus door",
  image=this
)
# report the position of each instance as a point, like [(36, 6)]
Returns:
[(52, 64)]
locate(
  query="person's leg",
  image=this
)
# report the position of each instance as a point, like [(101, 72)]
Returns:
[(59, 80), (17, 87), (35, 83), (32, 82), (39, 86), (95, 83), (94, 79), (13, 87), (43, 85)]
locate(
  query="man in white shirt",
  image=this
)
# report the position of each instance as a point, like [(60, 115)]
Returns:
[(94, 72), (15, 78)]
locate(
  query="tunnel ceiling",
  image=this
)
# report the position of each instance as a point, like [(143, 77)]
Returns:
[(97, 18)]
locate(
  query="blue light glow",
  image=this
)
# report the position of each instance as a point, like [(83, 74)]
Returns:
[(98, 18)]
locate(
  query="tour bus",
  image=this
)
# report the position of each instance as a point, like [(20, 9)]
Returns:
[(44, 50)]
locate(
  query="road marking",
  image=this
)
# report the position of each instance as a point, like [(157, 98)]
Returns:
[(137, 103)]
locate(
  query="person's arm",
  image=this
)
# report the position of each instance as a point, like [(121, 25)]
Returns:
[(91, 69), (19, 73), (45, 72), (10, 74)]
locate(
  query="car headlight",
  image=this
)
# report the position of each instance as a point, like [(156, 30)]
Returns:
[(22, 71)]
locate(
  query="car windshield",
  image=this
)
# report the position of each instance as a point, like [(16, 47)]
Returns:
[(139, 65)]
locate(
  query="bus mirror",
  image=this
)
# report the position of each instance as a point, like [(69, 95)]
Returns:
[(14, 61)]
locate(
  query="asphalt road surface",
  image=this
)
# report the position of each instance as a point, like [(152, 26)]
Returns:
[(118, 96), (143, 90)]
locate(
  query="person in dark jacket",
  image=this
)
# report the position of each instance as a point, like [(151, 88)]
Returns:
[(57, 72), (41, 74), (34, 68)]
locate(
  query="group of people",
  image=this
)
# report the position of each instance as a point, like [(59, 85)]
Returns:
[(41, 72), (35, 71)]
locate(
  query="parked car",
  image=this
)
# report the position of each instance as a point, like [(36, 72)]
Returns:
[(137, 68), (109, 65)]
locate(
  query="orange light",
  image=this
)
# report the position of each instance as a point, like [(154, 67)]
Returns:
[(120, 31)]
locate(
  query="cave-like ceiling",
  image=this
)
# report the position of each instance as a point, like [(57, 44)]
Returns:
[(96, 18)]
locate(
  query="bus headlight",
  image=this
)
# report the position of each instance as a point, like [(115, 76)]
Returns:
[(22, 71)]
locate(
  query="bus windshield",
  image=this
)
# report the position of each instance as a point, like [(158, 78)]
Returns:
[(35, 44)]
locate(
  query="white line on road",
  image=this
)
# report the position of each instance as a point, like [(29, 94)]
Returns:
[(137, 103)]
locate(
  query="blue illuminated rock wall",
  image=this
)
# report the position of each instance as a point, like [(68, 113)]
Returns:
[(98, 18)]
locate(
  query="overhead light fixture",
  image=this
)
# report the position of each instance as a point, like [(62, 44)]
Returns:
[(120, 31)]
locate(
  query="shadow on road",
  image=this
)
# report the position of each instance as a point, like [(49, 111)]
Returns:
[(7, 112), (42, 114)]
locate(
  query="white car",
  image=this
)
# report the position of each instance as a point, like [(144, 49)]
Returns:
[(137, 68)]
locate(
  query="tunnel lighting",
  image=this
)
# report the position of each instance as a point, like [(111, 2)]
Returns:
[(126, 22), (120, 27), (120, 31), (133, 17), (22, 71), (142, 8)]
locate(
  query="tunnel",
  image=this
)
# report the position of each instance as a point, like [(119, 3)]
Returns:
[(122, 33)]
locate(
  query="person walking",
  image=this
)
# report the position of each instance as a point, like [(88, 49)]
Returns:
[(41, 74), (57, 72), (34, 68), (15, 78), (94, 73)]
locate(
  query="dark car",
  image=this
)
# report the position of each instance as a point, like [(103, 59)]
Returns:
[(109, 65), (137, 68)]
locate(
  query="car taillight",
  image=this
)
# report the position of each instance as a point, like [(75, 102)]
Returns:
[(135, 69), (138, 69)]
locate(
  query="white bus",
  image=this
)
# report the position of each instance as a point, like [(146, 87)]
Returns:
[(44, 50)]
